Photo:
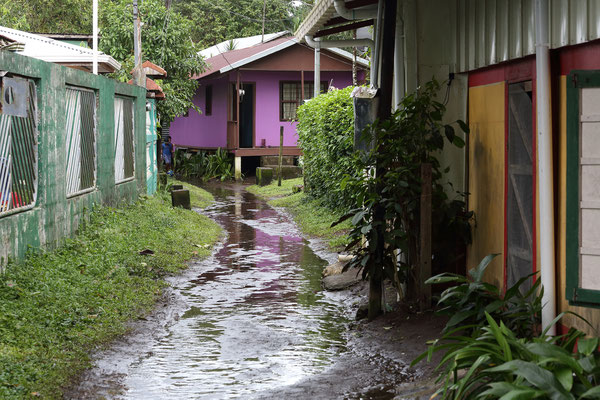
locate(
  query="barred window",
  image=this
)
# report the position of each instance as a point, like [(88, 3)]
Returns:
[(124, 149), (81, 140), (291, 97), (18, 144)]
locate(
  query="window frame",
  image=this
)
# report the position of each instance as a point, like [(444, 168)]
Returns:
[(299, 100), (575, 294), (132, 177), (32, 85), (208, 100), (95, 119)]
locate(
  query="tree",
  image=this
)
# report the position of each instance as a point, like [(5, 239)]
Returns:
[(165, 41), (64, 16), (217, 21)]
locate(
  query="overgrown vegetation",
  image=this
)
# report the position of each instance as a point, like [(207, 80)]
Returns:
[(493, 347), (55, 307), (166, 42), (387, 202), (326, 137), (312, 217), (204, 165)]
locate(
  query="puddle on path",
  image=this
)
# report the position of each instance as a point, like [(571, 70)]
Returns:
[(255, 318)]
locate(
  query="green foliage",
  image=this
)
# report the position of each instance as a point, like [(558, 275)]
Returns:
[(500, 364), (326, 137), (166, 41), (216, 22), (312, 217), (202, 165), (467, 302), (388, 188), (56, 307), (47, 16)]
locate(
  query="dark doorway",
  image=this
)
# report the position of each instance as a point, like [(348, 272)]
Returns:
[(520, 185), (247, 115)]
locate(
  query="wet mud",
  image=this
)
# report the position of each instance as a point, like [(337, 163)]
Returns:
[(252, 321)]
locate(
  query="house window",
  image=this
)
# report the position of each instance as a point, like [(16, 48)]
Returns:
[(18, 145), (583, 181), (80, 140), (290, 95), (208, 99), (124, 148)]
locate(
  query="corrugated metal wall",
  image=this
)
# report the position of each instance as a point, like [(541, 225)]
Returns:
[(493, 31)]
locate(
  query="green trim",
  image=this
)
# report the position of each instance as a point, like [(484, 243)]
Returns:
[(576, 295)]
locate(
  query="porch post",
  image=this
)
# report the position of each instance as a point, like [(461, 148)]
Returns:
[(302, 86), (236, 140), (317, 79)]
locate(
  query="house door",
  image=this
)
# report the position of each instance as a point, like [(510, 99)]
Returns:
[(246, 119), (520, 185)]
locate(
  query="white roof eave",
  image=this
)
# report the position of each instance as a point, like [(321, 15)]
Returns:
[(258, 56), (321, 12)]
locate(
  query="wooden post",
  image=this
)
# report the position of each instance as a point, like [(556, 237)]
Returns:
[(279, 173), (425, 239), (384, 112)]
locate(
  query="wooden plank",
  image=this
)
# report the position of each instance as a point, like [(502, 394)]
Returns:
[(280, 156), (425, 238)]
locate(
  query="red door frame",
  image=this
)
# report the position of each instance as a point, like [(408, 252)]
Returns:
[(514, 72)]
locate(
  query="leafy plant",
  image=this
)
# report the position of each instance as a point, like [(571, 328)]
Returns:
[(495, 363), (467, 302), (203, 165), (387, 200), (325, 135)]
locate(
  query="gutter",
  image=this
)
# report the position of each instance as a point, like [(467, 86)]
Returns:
[(352, 14), (544, 164)]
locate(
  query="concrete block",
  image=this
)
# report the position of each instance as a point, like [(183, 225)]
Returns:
[(181, 198), (264, 176)]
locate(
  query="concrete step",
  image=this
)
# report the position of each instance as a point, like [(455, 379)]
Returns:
[(288, 171), (274, 160)]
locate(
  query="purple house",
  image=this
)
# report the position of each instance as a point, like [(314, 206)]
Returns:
[(247, 94)]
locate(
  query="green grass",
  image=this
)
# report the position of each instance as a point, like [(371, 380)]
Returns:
[(312, 218), (198, 197), (55, 307)]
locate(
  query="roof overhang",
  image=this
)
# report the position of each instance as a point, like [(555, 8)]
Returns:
[(323, 19)]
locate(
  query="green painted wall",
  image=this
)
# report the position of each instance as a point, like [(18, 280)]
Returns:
[(54, 216)]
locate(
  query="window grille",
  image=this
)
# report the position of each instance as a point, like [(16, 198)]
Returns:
[(124, 149), (291, 97), (18, 146), (81, 140)]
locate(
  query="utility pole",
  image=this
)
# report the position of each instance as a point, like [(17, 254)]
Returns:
[(95, 37), (384, 112), (138, 75)]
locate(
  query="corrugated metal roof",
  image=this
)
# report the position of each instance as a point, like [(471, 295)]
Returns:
[(493, 31), (58, 52), (488, 32)]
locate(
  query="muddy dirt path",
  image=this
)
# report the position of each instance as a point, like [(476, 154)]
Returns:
[(251, 321)]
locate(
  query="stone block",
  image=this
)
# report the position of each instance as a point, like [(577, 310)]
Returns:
[(181, 198), (264, 176)]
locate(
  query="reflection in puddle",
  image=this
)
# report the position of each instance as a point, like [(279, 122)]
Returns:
[(256, 320)]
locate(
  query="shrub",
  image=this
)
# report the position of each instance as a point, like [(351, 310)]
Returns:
[(326, 135), (204, 166)]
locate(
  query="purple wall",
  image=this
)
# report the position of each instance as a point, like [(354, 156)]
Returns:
[(211, 131), (204, 131)]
